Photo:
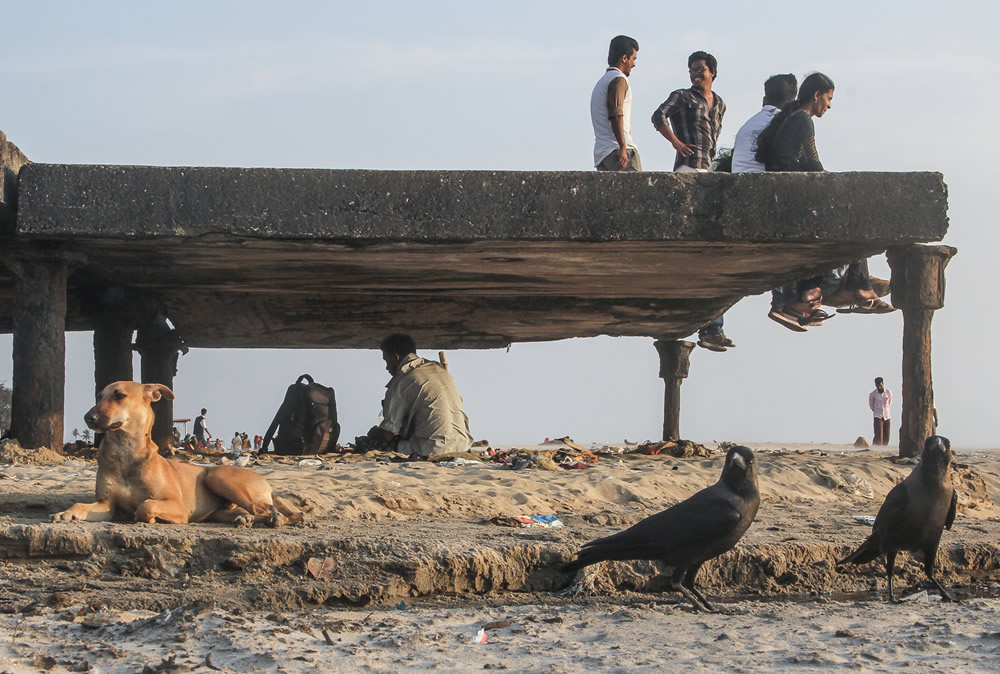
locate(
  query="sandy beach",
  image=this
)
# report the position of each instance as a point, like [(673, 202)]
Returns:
[(401, 565)]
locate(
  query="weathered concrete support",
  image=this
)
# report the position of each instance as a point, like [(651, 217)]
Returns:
[(112, 350), (917, 289), (674, 364), (159, 346), (39, 319), (112, 353)]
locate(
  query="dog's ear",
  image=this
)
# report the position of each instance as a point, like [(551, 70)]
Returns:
[(157, 391)]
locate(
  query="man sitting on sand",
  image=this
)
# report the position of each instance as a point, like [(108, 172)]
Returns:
[(422, 414)]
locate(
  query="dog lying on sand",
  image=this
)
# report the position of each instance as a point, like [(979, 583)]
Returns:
[(133, 479)]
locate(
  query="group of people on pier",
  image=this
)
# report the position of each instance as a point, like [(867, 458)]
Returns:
[(780, 137)]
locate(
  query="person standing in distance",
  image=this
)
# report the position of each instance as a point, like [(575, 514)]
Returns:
[(880, 402), (201, 431), (611, 110)]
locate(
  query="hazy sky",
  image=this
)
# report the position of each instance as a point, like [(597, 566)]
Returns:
[(506, 86)]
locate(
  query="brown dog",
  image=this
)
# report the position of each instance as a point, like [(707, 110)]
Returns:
[(133, 478)]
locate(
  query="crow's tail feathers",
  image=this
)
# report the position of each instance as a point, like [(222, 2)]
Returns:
[(864, 554)]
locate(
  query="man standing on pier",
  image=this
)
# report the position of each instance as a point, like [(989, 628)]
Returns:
[(611, 110)]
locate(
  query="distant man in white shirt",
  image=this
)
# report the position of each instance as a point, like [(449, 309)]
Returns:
[(880, 401), (611, 110), (779, 91)]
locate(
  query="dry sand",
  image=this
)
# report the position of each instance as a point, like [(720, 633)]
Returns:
[(411, 546)]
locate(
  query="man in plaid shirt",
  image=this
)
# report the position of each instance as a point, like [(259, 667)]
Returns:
[(691, 119)]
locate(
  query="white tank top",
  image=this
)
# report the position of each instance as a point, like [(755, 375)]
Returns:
[(604, 136)]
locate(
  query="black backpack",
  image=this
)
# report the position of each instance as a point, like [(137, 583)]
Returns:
[(306, 422)]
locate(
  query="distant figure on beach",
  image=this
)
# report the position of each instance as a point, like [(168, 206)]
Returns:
[(691, 119), (201, 432), (611, 110), (880, 402), (422, 414)]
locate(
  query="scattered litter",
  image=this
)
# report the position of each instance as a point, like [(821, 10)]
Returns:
[(922, 595), (459, 461), (677, 448), (310, 462), (572, 465), (864, 519), (527, 521), (479, 638), (497, 624), (244, 460), (320, 568), (401, 606)]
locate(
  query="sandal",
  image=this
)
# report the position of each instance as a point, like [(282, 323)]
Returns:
[(789, 318), (873, 306), (816, 317)]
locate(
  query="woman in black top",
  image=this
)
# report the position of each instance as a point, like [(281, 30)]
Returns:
[(789, 141), (789, 144)]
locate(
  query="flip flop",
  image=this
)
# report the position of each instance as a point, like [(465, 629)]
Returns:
[(787, 320), (816, 317), (869, 307)]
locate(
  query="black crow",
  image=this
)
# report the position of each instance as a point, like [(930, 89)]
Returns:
[(914, 514), (688, 534)]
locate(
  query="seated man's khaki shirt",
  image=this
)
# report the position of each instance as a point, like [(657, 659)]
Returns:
[(423, 406)]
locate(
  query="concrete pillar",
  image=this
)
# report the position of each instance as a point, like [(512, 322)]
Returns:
[(39, 320), (674, 364), (918, 290), (159, 347), (112, 350)]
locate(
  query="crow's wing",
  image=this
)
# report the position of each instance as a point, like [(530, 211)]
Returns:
[(699, 521), (891, 513), (888, 518), (952, 510)]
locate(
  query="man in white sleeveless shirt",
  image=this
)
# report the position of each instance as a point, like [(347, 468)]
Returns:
[(611, 110)]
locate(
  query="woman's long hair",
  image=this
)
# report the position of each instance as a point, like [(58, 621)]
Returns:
[(815, 83)]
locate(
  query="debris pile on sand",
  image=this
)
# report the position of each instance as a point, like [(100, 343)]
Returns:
[(12, 452)]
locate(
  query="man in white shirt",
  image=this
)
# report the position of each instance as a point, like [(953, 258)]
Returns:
[(611, 110), (880, 400), (779, 90)]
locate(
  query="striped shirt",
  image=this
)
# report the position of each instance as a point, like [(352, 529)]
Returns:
[(694, 123)]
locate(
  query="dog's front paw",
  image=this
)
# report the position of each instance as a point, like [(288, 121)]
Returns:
[(244, 521), (71, 515)]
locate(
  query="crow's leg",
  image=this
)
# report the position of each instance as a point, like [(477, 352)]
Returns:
[(890, 567), (677, 584), (689, 579), (929, 557)]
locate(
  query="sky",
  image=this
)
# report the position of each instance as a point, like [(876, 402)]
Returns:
[(506, 86)]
